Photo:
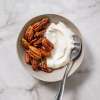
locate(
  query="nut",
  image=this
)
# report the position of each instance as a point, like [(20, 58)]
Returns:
[(47, 44), (29, 33), (44, 66), (26, 58), (35, 52), (35, 64), (38, 42), (24, 43), (39, 34), (39, 25), (44, 53)]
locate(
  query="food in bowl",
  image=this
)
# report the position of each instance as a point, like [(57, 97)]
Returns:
[(47, 46)]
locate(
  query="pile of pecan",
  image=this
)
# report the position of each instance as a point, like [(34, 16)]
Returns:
[(36, 46)]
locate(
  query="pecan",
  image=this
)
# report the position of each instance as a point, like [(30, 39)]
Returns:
[(39, 25), (29, 33), (44, 66), (33, 55), (35, 25), (35, 52), (39, 34), (38, 42), (44, 63), (27, 58), (25, 44), (33, 41), (47, 44), (49, 70), (44, 53), (35, 64)]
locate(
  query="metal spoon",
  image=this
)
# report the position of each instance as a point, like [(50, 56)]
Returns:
[(75, 53)]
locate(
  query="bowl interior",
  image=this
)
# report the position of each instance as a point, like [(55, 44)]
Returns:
[(57, 74)]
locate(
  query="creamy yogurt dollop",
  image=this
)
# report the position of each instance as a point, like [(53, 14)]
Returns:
[(61, 37)]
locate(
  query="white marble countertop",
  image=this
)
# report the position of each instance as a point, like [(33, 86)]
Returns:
[(16, 83)]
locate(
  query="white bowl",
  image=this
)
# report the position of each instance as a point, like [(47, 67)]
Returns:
[(57, 74)]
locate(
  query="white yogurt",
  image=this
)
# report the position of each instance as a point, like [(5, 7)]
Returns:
[(61, 37)]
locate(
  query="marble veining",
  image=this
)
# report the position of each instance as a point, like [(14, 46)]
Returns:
[(16, 83)]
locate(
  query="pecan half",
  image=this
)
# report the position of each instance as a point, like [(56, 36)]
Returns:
[(35, 52), (39, 34), (29, 33), (44, 53), (47, 44), (33, 41), (35, 64), (26, 58), (33, 55), (39, 25), (24, 43), (38, 42), (35, 25), (44, 66)]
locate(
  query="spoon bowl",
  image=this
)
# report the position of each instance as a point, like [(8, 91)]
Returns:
[(76, 50)]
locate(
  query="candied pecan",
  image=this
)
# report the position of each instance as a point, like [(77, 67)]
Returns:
[(35, 52), (29, 33), (47, 44), (35, 64), (49, 70), (24, 43), (34, 40), (35, 25), (44, 53), (39, 34), (26, 57), (33, 55), (42, 64), (39, 25), (38, 42), (44, 67)]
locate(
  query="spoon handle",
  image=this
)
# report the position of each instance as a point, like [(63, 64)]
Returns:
[(62, 84)]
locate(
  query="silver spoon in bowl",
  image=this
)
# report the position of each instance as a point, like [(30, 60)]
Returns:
[(74, 55)]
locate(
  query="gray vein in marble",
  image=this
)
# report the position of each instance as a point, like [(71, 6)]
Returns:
[(30, 91), (18, 93), (1, 40)]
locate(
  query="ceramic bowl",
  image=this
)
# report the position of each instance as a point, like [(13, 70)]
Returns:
[(57, 74)]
